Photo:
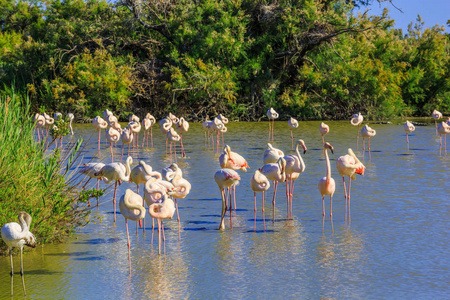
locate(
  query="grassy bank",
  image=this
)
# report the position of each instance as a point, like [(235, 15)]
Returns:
[(33, 179)]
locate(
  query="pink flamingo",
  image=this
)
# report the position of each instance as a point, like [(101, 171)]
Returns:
[(90, 170), (17, 236), (272, 115), (294, 167), (130, 206), (436, 116), (443, 129), (367, 132), (224, 121), (327, 185), (349, 165), (182, 126), (116, 172), (106, 114), (127, 138), (226, 178), (277, 173), (357, 120), (181, 188), (409, 127), (165, 125), (135, 128), (324, 129), (162, 211), (112, 136), (100, 124), (272, 155), (48, 121), (173, 137), (39, 121), (218, 126), (259, 183), (148, 123), (205, 126), (292, 123)]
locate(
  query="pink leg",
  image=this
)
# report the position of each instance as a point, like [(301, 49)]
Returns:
[(151, 137), (273, 200), (263, 209), (110, 147), (178, 219), (159, 237), (114, 201), (349, 187), (370, 157), (143, 140), (345, 194), (292, 140), (269, 130), (231, 208), (234, 197), (331, 206), (287, 195), (99, 133), (98, 181), (364, 147), (323, 206), (128, 244)]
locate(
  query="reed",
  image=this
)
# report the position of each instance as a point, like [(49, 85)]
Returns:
[(35, 179)]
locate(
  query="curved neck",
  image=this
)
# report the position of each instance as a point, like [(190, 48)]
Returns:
[(25, 222), (328, 165), (131, 207), (302, 163)]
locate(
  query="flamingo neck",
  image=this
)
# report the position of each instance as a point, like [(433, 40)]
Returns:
[(328, 166), (300, 159), (131, 207)]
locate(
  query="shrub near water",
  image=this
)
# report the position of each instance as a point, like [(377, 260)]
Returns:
[(33, 180)]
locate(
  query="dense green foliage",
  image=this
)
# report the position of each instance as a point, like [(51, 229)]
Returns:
[(35, 180), (308, 59)]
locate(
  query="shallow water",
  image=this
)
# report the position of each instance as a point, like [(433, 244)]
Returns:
[(395, 247)]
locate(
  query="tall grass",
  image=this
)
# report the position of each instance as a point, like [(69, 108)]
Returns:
[(34, 179)]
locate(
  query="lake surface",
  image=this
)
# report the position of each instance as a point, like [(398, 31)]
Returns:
[(395, 247)]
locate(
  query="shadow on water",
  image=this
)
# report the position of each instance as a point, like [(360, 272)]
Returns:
[(81, 253), (98, 241)]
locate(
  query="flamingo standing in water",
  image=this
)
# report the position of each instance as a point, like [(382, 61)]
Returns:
[(367, 132), (272, 155), (349, 165), (165, 125), (116, 172), (173, 138), (357, 120), (226, 178), (277, 173), (259, 183), (292, 123), (324, 129), (162, 211), (71, 117), (135, 129), (294, 167), (127, 138), (112, 136), (181, 188), (182, 126), (436, 116), (90, 170), (327, 185), (48, 121), (218, 126), (443, 129), (232, 160), (224, 121), (272, 115), (205, 125), (409, 127), (148, 123), (100, 124), (39, 121), (16, 236), (130, 206)]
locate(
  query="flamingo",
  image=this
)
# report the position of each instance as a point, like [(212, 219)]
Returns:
[(90, 169), (357, 120), (127, 138), (277, 173), (436, 116), (116, 172), (272, 115), (173, 137), (224, 121), (148, 122), (324, 129), (259, 183), (39, 121), (130, 206), (165, 125), (112, 136), (292, 123), (16, 236), (327, 185), (134, 118), (114, 122), (349, 165), (205, 126), (173, 118), (48, 121), (135, 128), (100, 124), (294, 167), (162, 211), (70, 116), (367, 132), (218, 126), (409, 127), (182, 126), (225, 178), (181, 188), (443, 129), (106, 114), (232, 160), (142, 173), (272, 155)]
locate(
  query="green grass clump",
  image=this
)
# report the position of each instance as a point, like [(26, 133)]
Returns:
[(34, 179)]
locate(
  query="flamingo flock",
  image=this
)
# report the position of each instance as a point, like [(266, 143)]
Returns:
[(162, 191)]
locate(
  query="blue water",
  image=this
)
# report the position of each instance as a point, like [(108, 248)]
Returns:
[(395, 247)]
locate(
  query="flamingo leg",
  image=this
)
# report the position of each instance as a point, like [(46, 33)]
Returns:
[(346, 199), (292, 194), (114, 201), (98, 182), (178, 219), (323, 206), (407, 140), (254, 198), (99, 133), (121, 155), (21, 272), (273, 200), (287, 195), (153, 229), (110, 147), (163, 237), (128, 244), (368, 141), (331, 206), (224, 209), (159, 237), (364, 147), (175, 151), (269, 130), (231, 207), (349, 187), (263, 209), (12, 272), (292, 140), (234, 196), (151, 137)]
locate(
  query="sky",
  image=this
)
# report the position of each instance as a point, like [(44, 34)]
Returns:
[(433, 12)]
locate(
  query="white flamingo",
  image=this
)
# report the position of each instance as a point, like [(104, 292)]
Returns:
[(272, 115), (292, 123), (182, 126), (327, 185), (259, 183), (226, 178), (100, 124), (367, 132), (277, 173), (443, 129), (294, 167), (356, 120), (162, 211), (272, 154), (408, 127), (90, 170), (324, 129), (436, 116)]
